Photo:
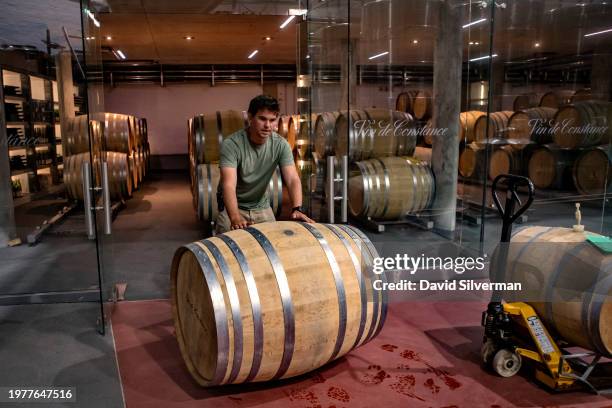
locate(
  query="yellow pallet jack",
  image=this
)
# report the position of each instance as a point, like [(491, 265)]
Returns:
[(514, 332)]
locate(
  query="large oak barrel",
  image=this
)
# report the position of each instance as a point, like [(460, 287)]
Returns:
[(467, 123), (303, 145), (287, 128), (73, 175), (209, 130), (76, 139), (531, 125), (390, 187), (205, 199), (423, 153), (374, 133), (583, 124), (274, 301), (582, 95), (550, 166), (568, 281), (134, 164), (119, 182), (422, 105), (498, 127), (117, 134), (506, 160), (405, 101), (472, 162), (135, 131), (119, 175), (325, 133), (556, 99), (593, 171), (525, 101)]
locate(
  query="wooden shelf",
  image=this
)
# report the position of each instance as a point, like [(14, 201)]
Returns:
[(21, 171), (16, 123), (11, 148), (11, 98), (42, 123)]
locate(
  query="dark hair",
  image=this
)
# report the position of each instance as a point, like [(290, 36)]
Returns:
[(263, 102)]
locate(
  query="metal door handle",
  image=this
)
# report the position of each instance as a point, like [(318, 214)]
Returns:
[(106, 199), (86, 180)]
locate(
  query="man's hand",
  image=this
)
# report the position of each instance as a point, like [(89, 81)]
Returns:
[(239, 222), (300, 216)]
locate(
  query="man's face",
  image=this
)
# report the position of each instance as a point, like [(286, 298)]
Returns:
[(262, 125)]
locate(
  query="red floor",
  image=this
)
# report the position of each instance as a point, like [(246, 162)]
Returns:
[(426, 356)]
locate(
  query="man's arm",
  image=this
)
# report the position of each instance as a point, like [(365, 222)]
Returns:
[(294, 186), (229, 178)]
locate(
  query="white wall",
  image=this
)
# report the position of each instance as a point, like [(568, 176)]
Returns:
[(168, 108)]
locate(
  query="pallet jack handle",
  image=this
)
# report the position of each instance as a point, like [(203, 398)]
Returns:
[(507, 212)]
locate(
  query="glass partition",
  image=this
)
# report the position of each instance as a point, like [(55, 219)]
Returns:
[(48, 248)]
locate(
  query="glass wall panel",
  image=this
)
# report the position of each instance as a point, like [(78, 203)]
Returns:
[(551, 79), (48, 249)]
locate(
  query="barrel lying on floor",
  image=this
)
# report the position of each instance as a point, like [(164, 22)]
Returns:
[(274, 301)]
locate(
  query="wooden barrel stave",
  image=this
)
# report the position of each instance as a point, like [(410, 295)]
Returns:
[(251, 342)]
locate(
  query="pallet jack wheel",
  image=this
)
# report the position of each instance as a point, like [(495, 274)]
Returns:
[(487, 351), (506, 363)]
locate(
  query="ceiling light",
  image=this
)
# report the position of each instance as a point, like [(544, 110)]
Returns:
[(481, 58), (599, 32), (267, 38), (536, 44), (378, 55), (474, 22), (121, 54), (188, 37), (253, 54), (93, 18), (108, 37), (287, 21), (415, 41)]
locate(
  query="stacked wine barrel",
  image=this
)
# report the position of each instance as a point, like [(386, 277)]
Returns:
[(205, 133), (117, 139), (560, 148), (385, 181)]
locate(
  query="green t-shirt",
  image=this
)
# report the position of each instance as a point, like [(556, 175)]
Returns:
[(255, 166)]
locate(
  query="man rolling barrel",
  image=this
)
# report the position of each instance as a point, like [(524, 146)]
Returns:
[(248, 160)]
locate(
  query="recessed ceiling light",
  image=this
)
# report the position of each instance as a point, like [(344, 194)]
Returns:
[(415, 41), (188, 37), (267, 38), (108, 37), (536, 44)]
